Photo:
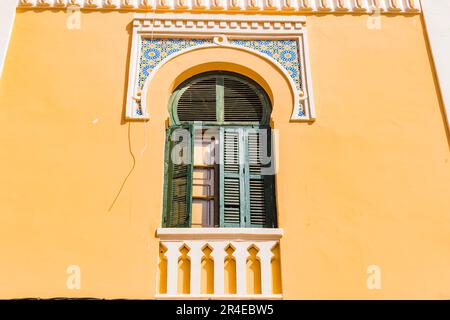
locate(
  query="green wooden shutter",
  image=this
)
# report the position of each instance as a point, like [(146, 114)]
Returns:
[(231, 177), (247, 191), (260, 180), (178, 173)]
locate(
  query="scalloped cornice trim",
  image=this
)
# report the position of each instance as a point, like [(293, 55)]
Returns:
[(227, 6)]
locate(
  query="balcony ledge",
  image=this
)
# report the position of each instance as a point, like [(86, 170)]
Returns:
[(235, 234), (219, 241), (219, 297)]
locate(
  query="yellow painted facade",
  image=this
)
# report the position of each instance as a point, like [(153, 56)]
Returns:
[(366, 183)]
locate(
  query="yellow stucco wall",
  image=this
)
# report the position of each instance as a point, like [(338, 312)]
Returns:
[(367, 183)]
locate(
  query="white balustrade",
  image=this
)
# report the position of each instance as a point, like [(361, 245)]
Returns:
[(218, 240)]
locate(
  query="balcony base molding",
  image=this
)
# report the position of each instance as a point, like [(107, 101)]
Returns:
[(234, 234), (224, 244), (219, 297)]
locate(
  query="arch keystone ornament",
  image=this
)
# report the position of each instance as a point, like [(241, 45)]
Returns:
[(279, 40)]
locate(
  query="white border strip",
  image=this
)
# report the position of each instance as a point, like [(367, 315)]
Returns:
[(235, 234), (219, 297), (436, 15), (7, 16)]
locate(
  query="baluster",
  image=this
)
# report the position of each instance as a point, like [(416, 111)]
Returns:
[(241, 254), (195, 254), (172, 255), (218, 253), (265, 255)]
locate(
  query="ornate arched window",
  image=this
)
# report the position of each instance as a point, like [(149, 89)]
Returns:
[(219, 169), (220, 98)]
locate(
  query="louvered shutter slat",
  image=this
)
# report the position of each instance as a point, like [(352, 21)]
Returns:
[(242, 103), (198, 102), (261, 183), (231, 201), (257, 203), (231, 151), (221, 98), (179, 180), (231, 177)]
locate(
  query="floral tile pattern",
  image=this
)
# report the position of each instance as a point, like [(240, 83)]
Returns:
[(285, 52), (153, 51)]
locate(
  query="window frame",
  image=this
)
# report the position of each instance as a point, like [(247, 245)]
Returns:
[(243, 127)]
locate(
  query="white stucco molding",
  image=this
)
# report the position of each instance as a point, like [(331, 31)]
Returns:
[(7, 15), (219, 297), (219, 241), (176, 234), (254, 6), (221, 30), (437, 21)]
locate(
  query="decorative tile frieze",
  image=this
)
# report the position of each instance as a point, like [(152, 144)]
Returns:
[(256, 6), (154, 51), (285, 52), (157, 38)]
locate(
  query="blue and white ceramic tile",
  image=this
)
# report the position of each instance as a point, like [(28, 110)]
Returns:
[(153, 51), (285, 52)]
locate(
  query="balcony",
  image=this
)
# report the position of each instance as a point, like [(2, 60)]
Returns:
[(219, 263)]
